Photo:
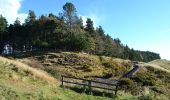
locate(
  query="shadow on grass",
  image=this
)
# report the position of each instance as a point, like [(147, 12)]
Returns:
[(94, 92)]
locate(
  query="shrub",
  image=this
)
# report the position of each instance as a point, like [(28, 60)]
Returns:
[(146, 79), (107, 65), (107, 73), (130, 86), (87, 68)]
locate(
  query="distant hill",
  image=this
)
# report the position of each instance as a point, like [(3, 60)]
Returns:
[(162, 63)]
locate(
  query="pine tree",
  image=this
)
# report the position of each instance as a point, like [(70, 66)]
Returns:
[(89, 27), (69, 14), (3, 28)]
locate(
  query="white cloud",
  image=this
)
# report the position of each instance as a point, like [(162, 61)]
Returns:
[(96, 19), (84, 18), (10, 10)]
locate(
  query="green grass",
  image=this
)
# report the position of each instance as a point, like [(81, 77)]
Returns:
[(17, 84), (156, 81), (79, 65)]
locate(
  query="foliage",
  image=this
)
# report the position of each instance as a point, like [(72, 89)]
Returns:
[(89, 27), (3, 26), (65, 32), (82, 42), (91, 66), (130, 86), (69, 14)]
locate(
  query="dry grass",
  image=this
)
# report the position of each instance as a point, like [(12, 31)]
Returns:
[(162, 63), (89, 66), (78, 64), (35, 72), (155, 66)]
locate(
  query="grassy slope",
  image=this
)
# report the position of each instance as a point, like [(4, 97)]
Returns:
[(79, 65), (149, 80), (152, 81), (20, 82), (162, 63)]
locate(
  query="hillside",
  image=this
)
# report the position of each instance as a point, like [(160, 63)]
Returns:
[(150, 80), (46, 46), (78, 64), (18, 81), (162, 63)]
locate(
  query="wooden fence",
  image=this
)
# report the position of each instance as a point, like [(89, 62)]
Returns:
[(90, 83)]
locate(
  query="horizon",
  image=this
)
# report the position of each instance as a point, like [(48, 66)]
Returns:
[(142, 25)]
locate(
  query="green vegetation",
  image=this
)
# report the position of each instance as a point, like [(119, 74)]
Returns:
[(19, 84), (33, 83), (37, 36), (148, 79), (79, 65)]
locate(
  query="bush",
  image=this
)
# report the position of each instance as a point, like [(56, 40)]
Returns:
[(125, 82), (130, 86), (146, 79), (107, 65), (87, 68), (107, 73)]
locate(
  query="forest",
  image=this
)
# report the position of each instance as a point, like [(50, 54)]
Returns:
[(65, 32)]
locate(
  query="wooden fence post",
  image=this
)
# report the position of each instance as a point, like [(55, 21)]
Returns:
[(84, 87), (62, 79), (116, 90), (89, 84)]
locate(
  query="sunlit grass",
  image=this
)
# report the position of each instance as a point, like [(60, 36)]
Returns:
[(17, 83)]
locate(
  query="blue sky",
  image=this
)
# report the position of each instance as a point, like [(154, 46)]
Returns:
[(141, 24)]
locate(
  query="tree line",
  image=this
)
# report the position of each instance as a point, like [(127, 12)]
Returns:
[(65, 32)]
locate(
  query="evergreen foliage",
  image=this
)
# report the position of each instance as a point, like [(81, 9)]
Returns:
[(65, 32)]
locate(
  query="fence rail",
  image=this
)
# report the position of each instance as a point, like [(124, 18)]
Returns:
[(89, 83)]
